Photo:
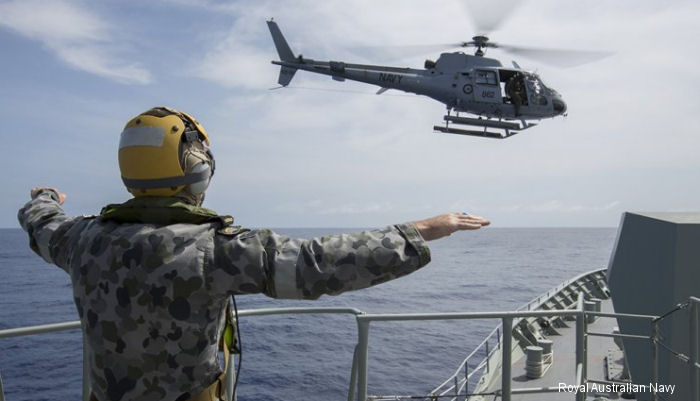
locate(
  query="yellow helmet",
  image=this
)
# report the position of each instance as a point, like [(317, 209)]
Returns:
[(151, 154)]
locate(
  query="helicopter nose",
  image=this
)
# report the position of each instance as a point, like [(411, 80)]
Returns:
[(559, 105)]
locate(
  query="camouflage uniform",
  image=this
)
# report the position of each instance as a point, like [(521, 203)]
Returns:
[(152, 297)]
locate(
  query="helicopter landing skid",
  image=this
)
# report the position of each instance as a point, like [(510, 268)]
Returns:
[(505, 129)]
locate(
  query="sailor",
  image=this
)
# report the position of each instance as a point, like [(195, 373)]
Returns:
[(515, 90), (152, 277)]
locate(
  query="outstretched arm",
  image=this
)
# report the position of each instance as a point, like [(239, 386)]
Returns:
[(306, 269), (41, 218)]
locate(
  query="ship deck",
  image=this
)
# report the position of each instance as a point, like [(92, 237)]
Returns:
[(563, 368)]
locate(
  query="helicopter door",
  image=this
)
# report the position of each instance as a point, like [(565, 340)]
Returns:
[(486, 86)]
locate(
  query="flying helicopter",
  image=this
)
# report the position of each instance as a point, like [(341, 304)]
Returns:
[(499, 101)]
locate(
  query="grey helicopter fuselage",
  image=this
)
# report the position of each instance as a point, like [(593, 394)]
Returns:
[(463, 82)]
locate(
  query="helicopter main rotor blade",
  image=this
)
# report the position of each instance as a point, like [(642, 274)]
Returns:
[(402, 51), (557, 57), (488, 15)]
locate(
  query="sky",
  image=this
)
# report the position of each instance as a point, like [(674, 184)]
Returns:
[(323, 153)]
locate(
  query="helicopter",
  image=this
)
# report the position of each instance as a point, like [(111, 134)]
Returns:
[(499, 101)]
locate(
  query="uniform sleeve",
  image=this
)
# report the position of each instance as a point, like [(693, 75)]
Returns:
[(46, 222), (307, 269)]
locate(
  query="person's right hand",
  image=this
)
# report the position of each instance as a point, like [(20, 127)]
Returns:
[(61, 196), (445, 224)]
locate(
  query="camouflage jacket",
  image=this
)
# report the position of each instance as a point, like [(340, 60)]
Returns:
[(152, 298)]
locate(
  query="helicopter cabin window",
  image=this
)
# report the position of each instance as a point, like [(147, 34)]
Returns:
[(484, 77)]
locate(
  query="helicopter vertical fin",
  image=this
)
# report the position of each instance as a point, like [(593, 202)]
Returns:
[(283, 49), (285, 53)]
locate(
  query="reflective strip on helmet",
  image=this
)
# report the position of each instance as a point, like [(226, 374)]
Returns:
[(142, 136), (166, 182)]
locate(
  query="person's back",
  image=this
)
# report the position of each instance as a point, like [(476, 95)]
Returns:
[(152, 279)]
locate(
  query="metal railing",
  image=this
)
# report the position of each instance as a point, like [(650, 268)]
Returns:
[(360, 365), (457, 382)]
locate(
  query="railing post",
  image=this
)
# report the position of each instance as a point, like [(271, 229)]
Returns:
[(654, 358), (694, 390), (230, 378), (466, 380), (86, 371), (456, 388), (498, 336), (2, 391), (353, 376), (505, 360), (580, 345), (362, 356), (487, 357)]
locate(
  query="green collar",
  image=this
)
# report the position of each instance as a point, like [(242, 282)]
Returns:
[(161, 210)]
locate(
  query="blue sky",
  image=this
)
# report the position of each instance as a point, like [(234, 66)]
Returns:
[(74, 72)]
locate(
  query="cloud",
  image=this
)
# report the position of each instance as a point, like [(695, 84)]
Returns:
[(76, 36)]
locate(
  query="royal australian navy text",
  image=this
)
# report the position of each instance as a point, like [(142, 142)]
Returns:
[(617, 388)]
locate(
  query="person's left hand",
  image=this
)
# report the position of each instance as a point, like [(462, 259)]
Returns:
[(61, 196)]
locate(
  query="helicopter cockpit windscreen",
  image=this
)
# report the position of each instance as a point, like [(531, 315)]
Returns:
[(537, 89)]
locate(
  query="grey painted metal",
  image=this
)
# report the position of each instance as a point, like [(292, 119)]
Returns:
[(39, 329), (297, 311), (535, 390), (469, 132), (694, 390), (86, 373), (452, 80), (230, 378), (580, 344), (2, 391), (362, 345), (465, 316), (659, 250), (483, 122), (488, 367), (506, 365), (622, 315), (360, 358), (579, 379), (480, 366), (534, 303), (466, 378), (632, 336), (654, 357), (353, 375)]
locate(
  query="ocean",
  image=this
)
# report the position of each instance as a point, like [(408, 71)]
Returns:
[(308, 357)]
